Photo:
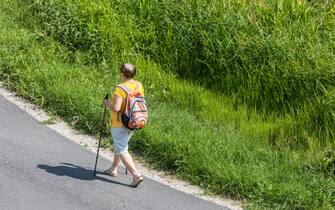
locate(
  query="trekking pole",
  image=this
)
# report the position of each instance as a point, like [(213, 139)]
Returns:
[(101, 129)]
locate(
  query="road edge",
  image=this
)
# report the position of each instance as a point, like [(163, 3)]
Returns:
[(90, 143)]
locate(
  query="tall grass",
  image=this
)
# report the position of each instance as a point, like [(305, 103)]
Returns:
[(195, 133), (272, 54), (275, 56)]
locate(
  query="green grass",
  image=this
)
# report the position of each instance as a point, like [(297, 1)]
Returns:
[(273, 161), (274, 56)]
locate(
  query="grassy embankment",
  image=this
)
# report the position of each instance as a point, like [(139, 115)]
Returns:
[(267, 137)]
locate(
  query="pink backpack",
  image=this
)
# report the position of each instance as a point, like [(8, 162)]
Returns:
[(135, 115)]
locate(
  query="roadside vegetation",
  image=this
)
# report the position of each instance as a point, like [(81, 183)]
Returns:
[(241, 95)]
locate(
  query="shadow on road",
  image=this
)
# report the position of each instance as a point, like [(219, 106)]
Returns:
[(76, 172)]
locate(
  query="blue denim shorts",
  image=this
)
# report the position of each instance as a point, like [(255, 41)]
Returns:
[(121, 138)]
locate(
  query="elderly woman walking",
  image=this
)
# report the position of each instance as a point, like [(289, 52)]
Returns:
[(121, 134)]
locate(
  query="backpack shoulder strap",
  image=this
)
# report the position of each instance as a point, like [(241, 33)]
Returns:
[(128, 91), (125, 88)]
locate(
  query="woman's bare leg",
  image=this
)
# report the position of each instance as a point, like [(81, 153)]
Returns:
[(127, 160), (116, 163)]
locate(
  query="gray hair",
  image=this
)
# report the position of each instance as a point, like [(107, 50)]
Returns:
[(128, 70)]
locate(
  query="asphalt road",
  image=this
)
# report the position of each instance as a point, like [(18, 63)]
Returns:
[(41, 169)]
